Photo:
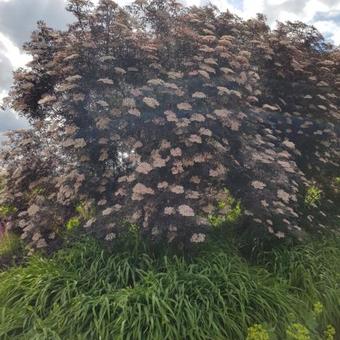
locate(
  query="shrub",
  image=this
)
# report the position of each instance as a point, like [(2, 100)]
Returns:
[(150, 111)]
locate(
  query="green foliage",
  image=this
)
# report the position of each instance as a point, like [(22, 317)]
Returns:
[(11, 250), (85, 292), (85, 212), (312, 270), (38, 191), (257, 332), (329, 333), (216, 221), (298, 332), (73, 222), (232, 211), (2, 182), (336, 185), (313, 196), (7, 210), (9, 244), (318, 308)]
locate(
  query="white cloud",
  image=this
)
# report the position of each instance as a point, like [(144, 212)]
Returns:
[(224, 5), (288, 10), (119, 2), (287, 16), (3, 94), (312, 7), (331, 28), (276, 2), (13, 53), (17, 59), (251, 8)]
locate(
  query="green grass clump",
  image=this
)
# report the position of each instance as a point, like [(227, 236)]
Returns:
[(312, 271), (85, 292), (11, 248), (9, 243)]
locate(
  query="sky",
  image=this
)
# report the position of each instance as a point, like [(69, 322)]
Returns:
[(18, 19)]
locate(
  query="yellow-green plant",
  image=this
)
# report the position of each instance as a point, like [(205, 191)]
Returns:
[(233, 207), (133, 228), (37, 191), (73, 222), (257, 332), (297, 331), (234, 213), (336, 184), (215, 220), (7, 210), (313, 196), (9, 244), (329, 333), (85, 211), (2, 182), (318, 308)]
